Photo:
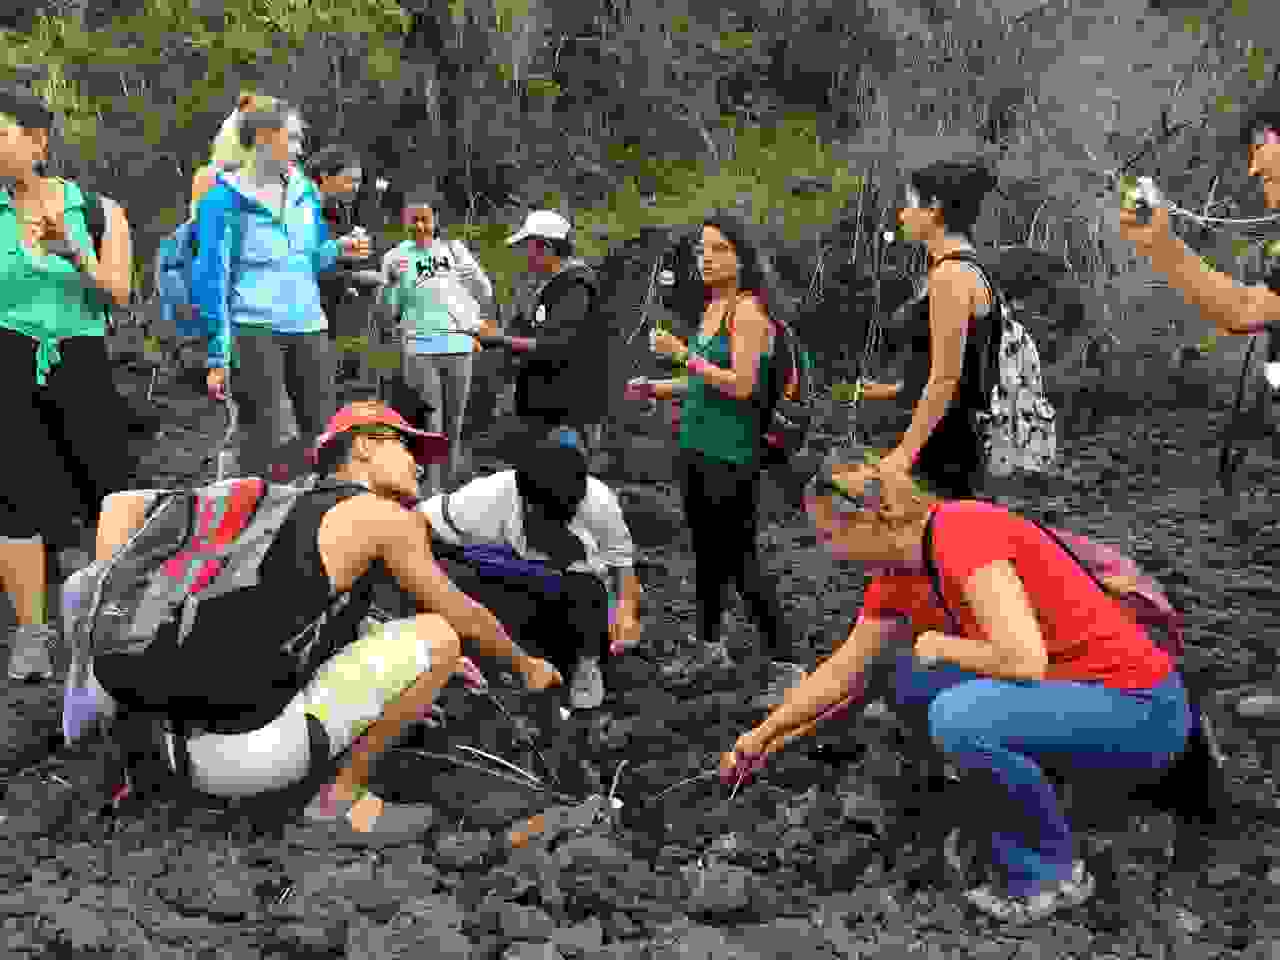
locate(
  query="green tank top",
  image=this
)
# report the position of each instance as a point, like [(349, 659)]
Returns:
[(716, 424), (40, 296)]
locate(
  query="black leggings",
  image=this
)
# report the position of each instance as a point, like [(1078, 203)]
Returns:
[(559, 625), (721, 503), (71, 435)]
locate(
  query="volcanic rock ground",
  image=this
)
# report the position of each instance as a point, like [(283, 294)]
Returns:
[(811, 861)]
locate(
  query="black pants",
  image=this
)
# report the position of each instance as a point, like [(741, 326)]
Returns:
[(71, 434), (559, 625), (721, 504)]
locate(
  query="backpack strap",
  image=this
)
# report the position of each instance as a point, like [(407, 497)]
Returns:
[(995, 317), (1048, 531), (95, 219), (934, 580)]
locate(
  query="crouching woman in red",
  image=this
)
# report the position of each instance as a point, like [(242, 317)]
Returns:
[(1041, 665)]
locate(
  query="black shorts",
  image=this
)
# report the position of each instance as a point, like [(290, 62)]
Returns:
[(70, 438)]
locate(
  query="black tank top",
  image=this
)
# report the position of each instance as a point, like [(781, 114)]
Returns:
[(232, 675), (951, 455)]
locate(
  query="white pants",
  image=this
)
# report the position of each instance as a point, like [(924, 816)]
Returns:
[(346, 695)]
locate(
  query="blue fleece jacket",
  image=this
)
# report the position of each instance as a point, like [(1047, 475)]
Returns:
[(255, 268)]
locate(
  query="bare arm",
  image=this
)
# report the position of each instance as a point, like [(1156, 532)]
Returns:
[(999, 602), (122, 515), (629, 594), (829, 683), (407, 554), (881, 391), (750, 339), (113, 273), (666, 389), (1231, 307), (951, 303)]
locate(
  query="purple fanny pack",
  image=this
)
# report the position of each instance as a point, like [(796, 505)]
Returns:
[(499, 561)]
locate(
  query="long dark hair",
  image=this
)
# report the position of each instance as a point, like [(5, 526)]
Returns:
[(754, 273), (31, 113)]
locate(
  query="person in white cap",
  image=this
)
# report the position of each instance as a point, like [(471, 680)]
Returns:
[(563, 374)]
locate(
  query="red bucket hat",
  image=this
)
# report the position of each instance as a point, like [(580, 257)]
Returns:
[(427, 447)]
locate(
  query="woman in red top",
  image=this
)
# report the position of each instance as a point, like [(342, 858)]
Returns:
[(1044, 662)]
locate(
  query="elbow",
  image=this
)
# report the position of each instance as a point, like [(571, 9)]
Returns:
[(1029, 667)]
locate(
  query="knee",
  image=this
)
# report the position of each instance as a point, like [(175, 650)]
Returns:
[(440, 636), (955, 723)]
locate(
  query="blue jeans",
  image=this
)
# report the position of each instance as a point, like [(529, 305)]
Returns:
[(999, 729)]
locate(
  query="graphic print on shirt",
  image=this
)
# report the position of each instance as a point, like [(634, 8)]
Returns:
[(429, 266)]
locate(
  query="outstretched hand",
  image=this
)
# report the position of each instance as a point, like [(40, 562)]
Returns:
[(216, 381), (540, 675)]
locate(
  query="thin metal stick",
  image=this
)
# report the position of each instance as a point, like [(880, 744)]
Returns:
[(693, 779), (617, 774), (488, 694), (564, 798), (497, 759)]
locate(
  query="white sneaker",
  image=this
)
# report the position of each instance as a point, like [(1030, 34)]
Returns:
[(588, 684), (1018, 911)]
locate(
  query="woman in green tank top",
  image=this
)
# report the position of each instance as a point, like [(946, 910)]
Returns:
[(721, 431), (62, 410)]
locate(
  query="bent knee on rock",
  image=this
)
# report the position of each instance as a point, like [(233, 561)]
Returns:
[(440, 634)]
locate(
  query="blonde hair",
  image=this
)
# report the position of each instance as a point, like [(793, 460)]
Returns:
[(905, 503), (226, 151)]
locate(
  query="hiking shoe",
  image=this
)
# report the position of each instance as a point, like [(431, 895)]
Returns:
[(30, 655), (1023, 910), (588, 684)]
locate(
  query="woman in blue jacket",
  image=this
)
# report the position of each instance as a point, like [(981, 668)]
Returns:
[(262, 241)]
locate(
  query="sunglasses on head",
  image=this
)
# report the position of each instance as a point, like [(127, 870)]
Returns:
[(845, 501)]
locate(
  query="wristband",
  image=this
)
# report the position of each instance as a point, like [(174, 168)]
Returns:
[(699, 366), (520, 344)]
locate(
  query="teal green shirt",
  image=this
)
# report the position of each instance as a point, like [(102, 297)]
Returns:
[(42, 296), (432, 297), (713, 423)]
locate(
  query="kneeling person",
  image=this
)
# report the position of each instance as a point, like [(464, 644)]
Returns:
[(255, 724), (546, 547)]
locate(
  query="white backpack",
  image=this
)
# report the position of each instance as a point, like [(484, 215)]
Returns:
[(1018, 426)]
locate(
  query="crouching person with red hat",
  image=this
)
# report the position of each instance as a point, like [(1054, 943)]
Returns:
[(257, 716)]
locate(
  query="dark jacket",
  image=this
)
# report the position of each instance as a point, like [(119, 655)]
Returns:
[(334, 284), (566, 376)]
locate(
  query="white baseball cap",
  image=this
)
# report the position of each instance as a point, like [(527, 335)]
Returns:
[(542, 223)]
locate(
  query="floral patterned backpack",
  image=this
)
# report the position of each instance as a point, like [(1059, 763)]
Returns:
[(1017, 426)]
